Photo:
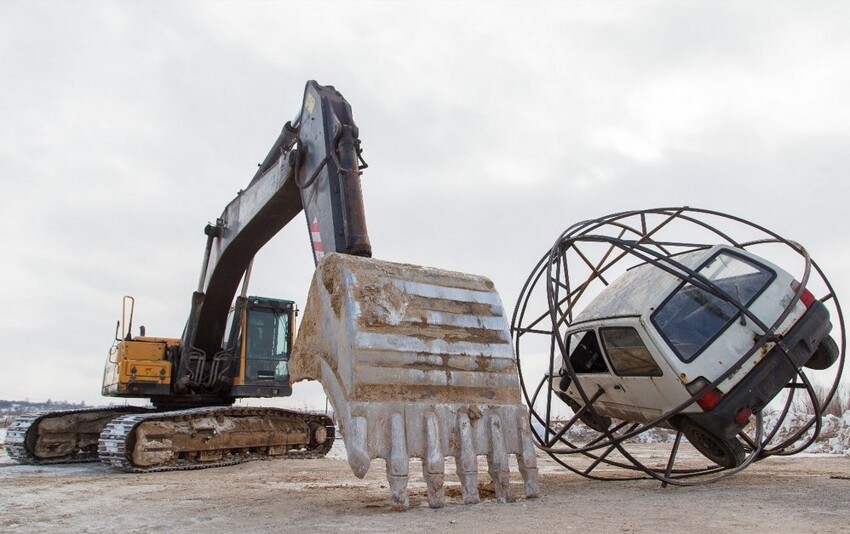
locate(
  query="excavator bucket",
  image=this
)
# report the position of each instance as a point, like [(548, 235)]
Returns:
[(417, 362)]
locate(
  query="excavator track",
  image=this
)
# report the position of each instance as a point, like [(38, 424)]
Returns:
[(61, 437), (212, 437)]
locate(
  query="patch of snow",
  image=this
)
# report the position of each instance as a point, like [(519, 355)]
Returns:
[(4, 458), (337, 451), (834, 437)]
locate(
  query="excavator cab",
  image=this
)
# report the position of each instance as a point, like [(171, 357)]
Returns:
[(264, 348)]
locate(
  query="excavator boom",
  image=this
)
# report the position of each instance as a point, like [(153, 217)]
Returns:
[(313, 166)]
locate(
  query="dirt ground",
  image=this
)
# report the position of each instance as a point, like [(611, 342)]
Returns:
[(806, 493)]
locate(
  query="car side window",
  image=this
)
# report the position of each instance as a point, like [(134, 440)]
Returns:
[(627, 352), (585, 354)]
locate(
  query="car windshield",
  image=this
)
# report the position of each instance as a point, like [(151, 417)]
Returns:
[(691, 317)]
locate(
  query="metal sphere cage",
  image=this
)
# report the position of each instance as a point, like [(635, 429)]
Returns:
[(585, 259)]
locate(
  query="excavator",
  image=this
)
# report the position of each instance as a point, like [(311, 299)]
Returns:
[(416, 361)]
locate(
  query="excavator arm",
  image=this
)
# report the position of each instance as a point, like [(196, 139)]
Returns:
[(313, 166)]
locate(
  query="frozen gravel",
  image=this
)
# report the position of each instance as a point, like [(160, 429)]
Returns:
[(799, 494)]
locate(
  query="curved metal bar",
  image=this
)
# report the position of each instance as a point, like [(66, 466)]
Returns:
[(564, 295)]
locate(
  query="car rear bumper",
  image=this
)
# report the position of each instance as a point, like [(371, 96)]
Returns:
[(768, 378)]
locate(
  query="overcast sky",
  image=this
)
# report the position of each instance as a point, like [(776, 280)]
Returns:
[(488, 127)]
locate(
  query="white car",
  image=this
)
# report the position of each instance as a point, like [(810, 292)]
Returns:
[(650, 342)]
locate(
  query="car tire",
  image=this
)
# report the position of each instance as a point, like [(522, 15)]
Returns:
[(725, 452), (825, 355)]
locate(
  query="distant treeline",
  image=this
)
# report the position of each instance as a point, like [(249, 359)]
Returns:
[(11, 409), (23, 406)]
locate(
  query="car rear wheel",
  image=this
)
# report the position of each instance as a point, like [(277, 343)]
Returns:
[(724, 452), (825, 355)]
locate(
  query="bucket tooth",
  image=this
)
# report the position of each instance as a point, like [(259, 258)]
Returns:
[(527, 461), (467, 462), (355, 446), (497, 462), (417, 362), (434, 463), (398, 465)]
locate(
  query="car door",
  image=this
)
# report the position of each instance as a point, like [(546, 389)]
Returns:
[(616, 358)]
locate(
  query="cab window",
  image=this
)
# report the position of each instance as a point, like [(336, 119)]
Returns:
[(267, 354), (585, 354), (627, 352)]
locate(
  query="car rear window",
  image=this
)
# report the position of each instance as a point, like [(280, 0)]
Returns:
[(691, 318)]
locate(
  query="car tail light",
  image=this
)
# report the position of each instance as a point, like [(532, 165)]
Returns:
[(743, 415), (806, 298), (710, 399)]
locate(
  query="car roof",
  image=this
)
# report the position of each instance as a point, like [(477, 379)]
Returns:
[(639, 290)]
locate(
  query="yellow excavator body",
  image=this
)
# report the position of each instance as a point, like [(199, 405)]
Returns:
[(135, 365)]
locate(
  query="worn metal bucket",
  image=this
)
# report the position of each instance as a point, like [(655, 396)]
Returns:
[(417, 362)]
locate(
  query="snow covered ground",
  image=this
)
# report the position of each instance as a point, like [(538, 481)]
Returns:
[(337, 451), (834, 436), (4, 458)]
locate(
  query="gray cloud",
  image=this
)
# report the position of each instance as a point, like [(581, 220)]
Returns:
[(489, 127)]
